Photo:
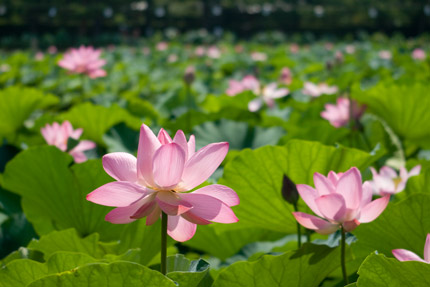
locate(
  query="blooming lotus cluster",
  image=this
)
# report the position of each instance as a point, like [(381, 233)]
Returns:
[(339, 200), (158, 181), (258, 56), (340, 114), (84, 60), (406, 255), (58, 135), (267, 94), (418, 54), (315, 91), (388, 182)]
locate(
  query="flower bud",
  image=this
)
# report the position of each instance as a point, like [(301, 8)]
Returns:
[(190, 75)]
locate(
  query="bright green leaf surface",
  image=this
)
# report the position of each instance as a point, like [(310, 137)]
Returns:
[(185, 272), (305, 267), (117, 274), (17, 104), (402, 225), (24, 271), (405, 108), (256, 176), (53, 195), (96, 120), (380, 271)]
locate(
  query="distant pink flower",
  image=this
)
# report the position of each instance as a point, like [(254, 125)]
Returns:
[(338, 57), (52, 50), (315, 91), (419, 54), (39, 56), (286, 76), (200, 51), (258, 56), (385, 55), (388, 182), (248, 83), (339, 200), (58, 135), (239, 48), (159, 180), (84, 60), (294, 48), (268, 95), (339, 115), (406, 255), (172, 58), (162, 46), (328, 46), (213, 52), (350, 49)]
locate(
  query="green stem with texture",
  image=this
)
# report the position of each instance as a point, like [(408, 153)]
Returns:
[(163, 243), (299, 230), (342, 256)]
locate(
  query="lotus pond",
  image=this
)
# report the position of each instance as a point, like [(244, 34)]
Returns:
[(223, 164)]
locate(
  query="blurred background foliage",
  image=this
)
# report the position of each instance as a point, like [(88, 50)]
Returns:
[(63, 23)]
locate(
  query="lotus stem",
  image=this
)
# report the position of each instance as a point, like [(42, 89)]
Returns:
[(342, 257), (299, 230), (163, 268)]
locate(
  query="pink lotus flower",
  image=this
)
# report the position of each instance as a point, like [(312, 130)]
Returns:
[(39, 56), (286, 76), (406, 255), (58, 135), (385, 55), (350, 49), (200, 51), (294, 48), (258, 56), (248, 83), (162, 46), (268, 96), (213, 52), (339, 115), (52, 50), (419, 54), (388, 182), (158, 180), (315, 91), (340, 200), (84, 60)]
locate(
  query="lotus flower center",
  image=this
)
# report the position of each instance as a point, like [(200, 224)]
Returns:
[(397, 181)]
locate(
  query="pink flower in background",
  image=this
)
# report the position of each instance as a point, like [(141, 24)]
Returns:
[(172, 58), (339, 115), (52, 50), (258, 56), (84, 60), (315, 91), (200, 51), (159, 180), (213, 52), (385, 55), (58, 135), (39, 56), (328, 46), (419, 54), (268, 95), (294, 48), (162, 46), (248, 83), (350, 49), (286, 76), (406, 255), (388, 182), (338, 57), (339, 200)]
